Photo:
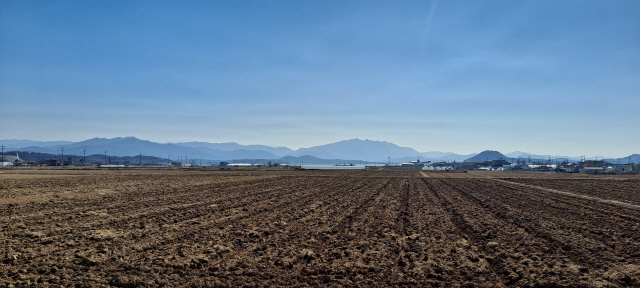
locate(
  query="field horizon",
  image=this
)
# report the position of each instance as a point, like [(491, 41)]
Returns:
[(258, 228)]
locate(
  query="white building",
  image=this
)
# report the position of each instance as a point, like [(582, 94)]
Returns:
[(592, 169), (620, 168)]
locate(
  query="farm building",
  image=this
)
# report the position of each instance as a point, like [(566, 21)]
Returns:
[(620, 168), (12, 161), (592, 169), (415, 163)]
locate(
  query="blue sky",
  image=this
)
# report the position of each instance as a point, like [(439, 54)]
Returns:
[(545, 77)]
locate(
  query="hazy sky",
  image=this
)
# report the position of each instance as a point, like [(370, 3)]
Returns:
[(545, 77)]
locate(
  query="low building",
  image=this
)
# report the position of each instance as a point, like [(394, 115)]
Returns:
[(50, 162), (592, 170), (620, 168), (569, 168), (545, 168), (468, 165), (444, 168), (520, 168), (14, 160), (394, 167), (415, 163)]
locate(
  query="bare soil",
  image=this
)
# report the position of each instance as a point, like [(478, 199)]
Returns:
[(317, 228)]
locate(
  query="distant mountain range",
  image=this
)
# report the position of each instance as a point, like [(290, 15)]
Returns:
[(355, 149), (634, 158), (347, 151), (26, 143), (540, 158), (359, 149), (232, 146)]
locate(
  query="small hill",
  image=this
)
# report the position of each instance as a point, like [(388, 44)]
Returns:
[(487, 155)]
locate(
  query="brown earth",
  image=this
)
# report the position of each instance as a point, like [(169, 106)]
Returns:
[(70, 228)]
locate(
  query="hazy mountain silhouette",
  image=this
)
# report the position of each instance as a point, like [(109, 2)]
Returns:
[(339, 152), (455, 157), (129, 146), (355, 149), (449, 157), (231, 146), (535, 157), (241, 154), (305, 158), (14, 143), (120, 146), (517, 154), (434, 154), (635, 158), (367, 150)]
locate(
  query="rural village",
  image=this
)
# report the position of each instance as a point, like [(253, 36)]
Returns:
[(502, 164)]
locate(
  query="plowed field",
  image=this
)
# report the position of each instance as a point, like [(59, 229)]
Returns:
[(317, 228)]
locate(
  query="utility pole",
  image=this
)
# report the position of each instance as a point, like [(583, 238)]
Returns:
[(140, 158), (2, 155), (168, 159), (62, 157), (105, 156), (84, 156)]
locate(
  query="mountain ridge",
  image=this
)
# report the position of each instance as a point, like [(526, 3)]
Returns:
[(351, 150), (354, 149), (231, 146), (358, 149)]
